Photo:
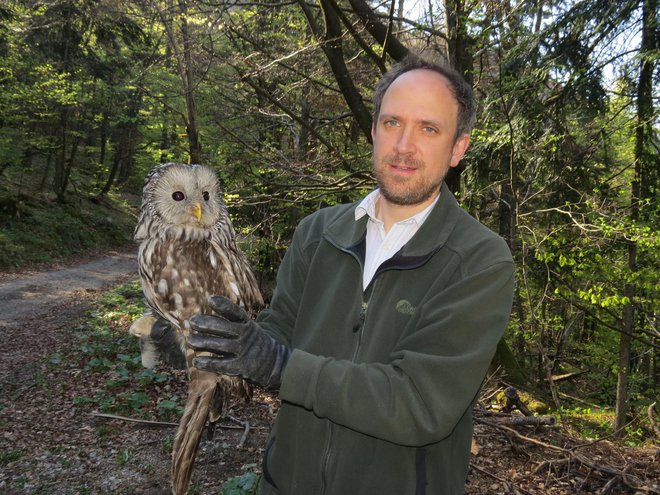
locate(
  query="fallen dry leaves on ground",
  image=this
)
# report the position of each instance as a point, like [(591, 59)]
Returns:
[(50, 444)]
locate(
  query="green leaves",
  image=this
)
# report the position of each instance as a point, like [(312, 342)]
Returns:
[(246, 484), (110, 357)]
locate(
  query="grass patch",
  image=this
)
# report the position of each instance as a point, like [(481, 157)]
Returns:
[(593, 424), (110, 358), (10, 456), (39, 230)]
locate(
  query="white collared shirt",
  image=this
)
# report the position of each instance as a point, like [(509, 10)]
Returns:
[(382, 246)]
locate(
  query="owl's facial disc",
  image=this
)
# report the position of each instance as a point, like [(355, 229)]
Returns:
[(188, 197)]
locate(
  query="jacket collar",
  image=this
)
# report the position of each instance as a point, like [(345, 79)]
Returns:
[(346, 232)]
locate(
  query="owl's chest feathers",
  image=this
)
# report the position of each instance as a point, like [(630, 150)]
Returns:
[(183, 274)]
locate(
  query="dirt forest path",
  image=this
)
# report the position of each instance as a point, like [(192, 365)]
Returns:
[(32, 294)]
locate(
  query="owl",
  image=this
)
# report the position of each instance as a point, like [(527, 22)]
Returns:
[(187, 252)]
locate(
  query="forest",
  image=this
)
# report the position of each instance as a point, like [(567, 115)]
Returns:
[(276, 97)]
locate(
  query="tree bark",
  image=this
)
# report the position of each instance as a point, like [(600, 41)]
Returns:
[(331, 43), (643, 134), (182, 51), (187, 78), (458, 39), (381, 33)]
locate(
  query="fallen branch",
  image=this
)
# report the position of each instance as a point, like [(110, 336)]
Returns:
[(133, 420), (246, 426), (166, 423), (631, 481), (567, 376), (517, 420), (507, 483)]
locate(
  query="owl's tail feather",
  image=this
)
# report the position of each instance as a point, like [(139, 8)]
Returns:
[(201, 392)]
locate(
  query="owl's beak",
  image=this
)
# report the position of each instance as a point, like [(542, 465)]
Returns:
[(196, 210)]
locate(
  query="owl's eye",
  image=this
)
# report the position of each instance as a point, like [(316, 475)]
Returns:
[(178, 196), (205, 195)]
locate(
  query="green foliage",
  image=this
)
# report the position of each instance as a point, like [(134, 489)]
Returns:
[(592, 424), (124, 456), (246, 484), (39, 230), (110, 356), (10, 456)]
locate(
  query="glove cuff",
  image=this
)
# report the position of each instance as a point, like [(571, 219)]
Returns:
[(280, 355)]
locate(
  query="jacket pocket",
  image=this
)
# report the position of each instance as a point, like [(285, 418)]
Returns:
[(267, 477)]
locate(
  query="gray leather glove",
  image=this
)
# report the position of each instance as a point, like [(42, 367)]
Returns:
[(239, 346), (159, 340), (164, 337)]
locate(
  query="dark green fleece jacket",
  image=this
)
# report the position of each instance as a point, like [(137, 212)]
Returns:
[(378, 392)]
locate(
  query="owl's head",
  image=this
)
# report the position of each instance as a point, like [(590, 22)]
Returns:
[(184, 198)]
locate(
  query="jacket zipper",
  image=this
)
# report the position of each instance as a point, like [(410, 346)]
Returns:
[(359, 326), (326, 454), (326, 462)]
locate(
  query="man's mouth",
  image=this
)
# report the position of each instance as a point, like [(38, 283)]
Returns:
[(403, 163)]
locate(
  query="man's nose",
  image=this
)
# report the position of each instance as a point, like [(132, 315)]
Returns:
[(405, 145)]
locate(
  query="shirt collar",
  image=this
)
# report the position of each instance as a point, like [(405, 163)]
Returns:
[(368, 207)]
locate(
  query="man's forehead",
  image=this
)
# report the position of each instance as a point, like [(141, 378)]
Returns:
[(423, 90), (418, 77)]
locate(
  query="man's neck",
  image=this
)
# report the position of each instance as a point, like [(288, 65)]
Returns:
[(391, 213)]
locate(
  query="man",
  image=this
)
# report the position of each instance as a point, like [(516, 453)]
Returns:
[(385, 317)]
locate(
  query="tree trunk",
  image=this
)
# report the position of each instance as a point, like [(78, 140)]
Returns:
[(625, 344), (187, 77), (181, 48), (458, 39), (59, 179), (113, 172), (643, 133), (381, 33), (331, 43), (459, 56), (103, 138)]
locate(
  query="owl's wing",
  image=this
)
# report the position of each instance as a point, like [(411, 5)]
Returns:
[(146, 268), (159, 330), (235, 272)]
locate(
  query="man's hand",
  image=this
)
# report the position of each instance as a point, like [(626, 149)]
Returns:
[(158, 340), (238, 345)]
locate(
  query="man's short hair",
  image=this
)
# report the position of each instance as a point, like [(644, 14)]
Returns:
[(460, 88)]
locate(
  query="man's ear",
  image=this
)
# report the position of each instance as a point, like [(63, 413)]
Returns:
[(460, 147), (373, 131)]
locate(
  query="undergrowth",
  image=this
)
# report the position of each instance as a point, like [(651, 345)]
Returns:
[(36, 229), (108, 354)]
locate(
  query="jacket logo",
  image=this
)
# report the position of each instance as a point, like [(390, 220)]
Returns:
[(405, 307)]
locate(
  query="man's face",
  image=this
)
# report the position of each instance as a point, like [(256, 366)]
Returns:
[(414, 138)]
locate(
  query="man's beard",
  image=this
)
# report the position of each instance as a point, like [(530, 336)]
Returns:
[(415, 193)]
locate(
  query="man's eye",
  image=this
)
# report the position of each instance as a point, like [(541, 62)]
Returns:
[(430, 130), (391, 123)]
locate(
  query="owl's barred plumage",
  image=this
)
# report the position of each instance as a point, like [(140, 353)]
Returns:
[(187, 253)]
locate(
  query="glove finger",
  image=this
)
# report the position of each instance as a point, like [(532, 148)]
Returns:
[(227, 309), (217, 365), (205, 343), (215, 326)]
